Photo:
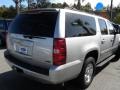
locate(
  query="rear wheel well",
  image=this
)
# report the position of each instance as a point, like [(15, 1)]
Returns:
[(93, 54)]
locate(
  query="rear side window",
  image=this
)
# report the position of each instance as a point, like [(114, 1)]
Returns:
[(79, 25), (40, 24), (111, 28), (103, 27)]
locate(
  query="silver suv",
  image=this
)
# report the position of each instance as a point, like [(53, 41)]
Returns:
[(57, 45)]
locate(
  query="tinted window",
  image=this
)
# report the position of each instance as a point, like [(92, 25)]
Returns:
[(117, 28), (111, 28), (79, 25), (40, 24), (103, 27), (1, 24)]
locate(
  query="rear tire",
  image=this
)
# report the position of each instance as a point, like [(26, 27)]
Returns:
[(87, 73)]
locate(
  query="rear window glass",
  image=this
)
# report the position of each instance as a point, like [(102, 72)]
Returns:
[(79, 25), (117, 27), (40, 24), (103, 27)]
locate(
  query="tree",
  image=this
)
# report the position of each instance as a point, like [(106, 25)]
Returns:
[(87, 7), (117, 19), (2, 10), (7, 12), (65, 5), (42, 3), (78, 5), (20, 1), (17, 5), (37, 3), (30, 3)]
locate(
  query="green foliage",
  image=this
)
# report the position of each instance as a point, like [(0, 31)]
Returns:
[(116, 13), (7, 12), (86, 8), (59, 5), (10, 12), (117, 19), (47, 4)]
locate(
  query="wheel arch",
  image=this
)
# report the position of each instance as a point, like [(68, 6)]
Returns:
[(93, 53)]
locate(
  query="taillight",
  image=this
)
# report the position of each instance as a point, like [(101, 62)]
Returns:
[(59, 51)]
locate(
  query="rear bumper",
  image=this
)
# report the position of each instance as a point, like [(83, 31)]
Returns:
[(52, 75)]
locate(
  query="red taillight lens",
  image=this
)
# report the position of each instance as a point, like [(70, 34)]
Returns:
[(59, 51)]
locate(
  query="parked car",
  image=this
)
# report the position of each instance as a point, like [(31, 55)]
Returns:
[(117, 27), (58, 45), (4, 24)]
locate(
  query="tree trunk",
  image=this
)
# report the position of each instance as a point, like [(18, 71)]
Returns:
[(78, 5), (17, 6), (111, 7)]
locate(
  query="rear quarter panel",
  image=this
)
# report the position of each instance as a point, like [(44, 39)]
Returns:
[(78, 47)]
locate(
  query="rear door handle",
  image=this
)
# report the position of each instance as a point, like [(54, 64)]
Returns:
[(103, 40), (112, 40)]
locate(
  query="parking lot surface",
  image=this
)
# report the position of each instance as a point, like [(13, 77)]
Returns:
[(107, 78)]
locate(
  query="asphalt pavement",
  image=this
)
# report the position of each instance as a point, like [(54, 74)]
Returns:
[(107, 78)]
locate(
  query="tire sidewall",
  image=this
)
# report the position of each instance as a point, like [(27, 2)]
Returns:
[(88, 60)]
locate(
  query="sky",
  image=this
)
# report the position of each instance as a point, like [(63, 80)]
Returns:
[(6, 2), (93, 2)]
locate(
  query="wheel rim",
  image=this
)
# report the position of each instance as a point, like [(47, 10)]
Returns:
[(88, 73)]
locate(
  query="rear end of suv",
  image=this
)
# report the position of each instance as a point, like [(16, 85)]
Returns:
[(36, 45), (57, 45)]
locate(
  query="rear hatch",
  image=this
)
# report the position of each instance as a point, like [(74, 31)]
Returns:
[(30, 37)]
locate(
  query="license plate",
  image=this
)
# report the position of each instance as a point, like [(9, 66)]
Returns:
[(23, 50)]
